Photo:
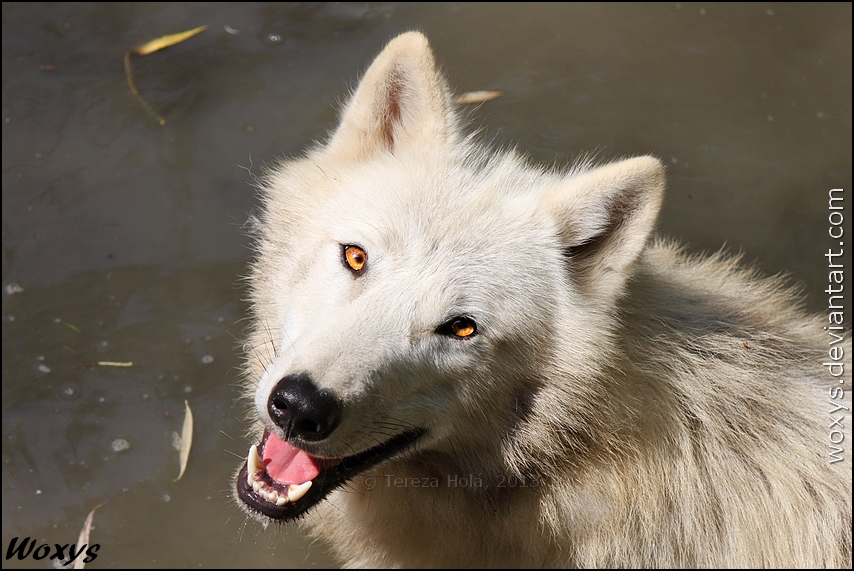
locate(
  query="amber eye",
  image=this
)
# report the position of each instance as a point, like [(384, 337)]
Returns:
[(355, 258), (460, 327)]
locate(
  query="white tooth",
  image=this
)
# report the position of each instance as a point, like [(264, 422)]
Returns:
[(256, 485), (253, 462), (282, 500), (295, 491)]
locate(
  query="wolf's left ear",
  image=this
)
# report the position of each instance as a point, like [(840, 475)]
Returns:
[(401, 99), (604, 217)]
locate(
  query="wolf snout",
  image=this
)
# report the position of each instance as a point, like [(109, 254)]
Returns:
[(302, 410)]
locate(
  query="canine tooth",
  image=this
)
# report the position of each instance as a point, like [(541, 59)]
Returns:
[(253, 462), (295, 491)]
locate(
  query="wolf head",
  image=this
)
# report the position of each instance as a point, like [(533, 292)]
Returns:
[(413, 291)]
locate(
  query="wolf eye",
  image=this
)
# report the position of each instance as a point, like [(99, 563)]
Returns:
[(460, 327), (355, 258)]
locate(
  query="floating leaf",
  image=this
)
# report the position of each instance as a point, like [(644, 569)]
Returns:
[(186, 439), (83, 538), (477, 96), (71, 326), (115, 363), (166, 41), (153, 46)]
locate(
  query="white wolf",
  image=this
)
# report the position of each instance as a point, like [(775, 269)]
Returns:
[(462, 360)]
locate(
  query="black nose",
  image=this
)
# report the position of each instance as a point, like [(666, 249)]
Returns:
[(302, 410)]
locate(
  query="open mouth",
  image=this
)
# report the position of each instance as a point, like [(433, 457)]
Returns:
[(282, 481)]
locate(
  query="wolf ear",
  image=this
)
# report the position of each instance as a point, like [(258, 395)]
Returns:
[(604, 217), (401, 99)]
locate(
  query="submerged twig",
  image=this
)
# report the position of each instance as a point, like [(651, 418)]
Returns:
[(150, 47)]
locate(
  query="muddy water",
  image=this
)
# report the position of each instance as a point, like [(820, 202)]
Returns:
[(123, 240)]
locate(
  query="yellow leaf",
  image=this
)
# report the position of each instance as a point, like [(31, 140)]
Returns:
[(115, 364), (186, 439), (153, 46), (477, 96), (166, 41)]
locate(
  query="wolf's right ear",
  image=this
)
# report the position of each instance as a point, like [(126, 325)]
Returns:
[(604, 217), (402, 99)]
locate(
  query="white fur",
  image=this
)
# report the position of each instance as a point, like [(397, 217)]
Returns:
[(641, 407)]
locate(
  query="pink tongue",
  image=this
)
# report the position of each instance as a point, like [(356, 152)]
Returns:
[(287, 464)]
